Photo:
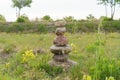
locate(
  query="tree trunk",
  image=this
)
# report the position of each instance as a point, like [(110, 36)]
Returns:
[(106, 10), (19, 12), (16, 13), (111, 12)]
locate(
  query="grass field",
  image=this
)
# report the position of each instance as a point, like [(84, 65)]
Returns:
[(97, 56)]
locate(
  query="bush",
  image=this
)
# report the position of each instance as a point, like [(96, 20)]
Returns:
[(106, 68), (22, 18), (2, 18), (46, 18), (72, 27), (106, 18), (111, 26), (42, 28)]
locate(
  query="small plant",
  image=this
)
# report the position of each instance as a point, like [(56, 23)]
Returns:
[(51, 70), (28, 55), (10, 48)]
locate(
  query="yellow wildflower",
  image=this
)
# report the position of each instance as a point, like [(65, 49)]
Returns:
[(7, 65), (27, 56), (87, 77), (24, 60), (110, 78), (73, 47)]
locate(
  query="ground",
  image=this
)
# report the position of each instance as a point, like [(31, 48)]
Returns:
[(89, 50)]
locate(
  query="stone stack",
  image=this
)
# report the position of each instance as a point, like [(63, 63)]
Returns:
[(61, 49)]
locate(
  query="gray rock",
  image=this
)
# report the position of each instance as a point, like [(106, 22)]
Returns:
[(60, 49), (61, 58), (60, 23), (60, 41), (60, 31), (65, 65)]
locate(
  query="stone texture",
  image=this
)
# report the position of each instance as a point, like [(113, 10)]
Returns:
[(60, 50), (61, 58), (66, 65), (60, 23), (60, 31), (60, 41)]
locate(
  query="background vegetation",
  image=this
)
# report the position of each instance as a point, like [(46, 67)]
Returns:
[(44, 26)]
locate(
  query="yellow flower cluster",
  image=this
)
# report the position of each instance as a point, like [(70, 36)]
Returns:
[(73, 47), (110, 78), (27, 56), (87, 77)]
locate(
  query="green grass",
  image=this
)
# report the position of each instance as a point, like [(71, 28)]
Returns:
[(84, 54)]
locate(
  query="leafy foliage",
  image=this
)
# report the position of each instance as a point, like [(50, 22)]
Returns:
[(2, 18), (21, 3), (23, 18), (111, 3), (69, 19), (90, 17), (47, 18)]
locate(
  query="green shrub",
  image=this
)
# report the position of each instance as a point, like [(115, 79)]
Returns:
[(106, 18), (42, 28), (2, 18), (46, 18), (22, 18), (106, 68), (111, 26), (72, 27)]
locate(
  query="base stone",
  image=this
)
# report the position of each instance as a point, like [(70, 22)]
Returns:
[(65, 65)]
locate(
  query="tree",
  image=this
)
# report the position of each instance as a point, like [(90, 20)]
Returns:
[(2, 18), (20, 4), (46, 18), (69, 18), (90, 17), (104, 2), (112, 4)]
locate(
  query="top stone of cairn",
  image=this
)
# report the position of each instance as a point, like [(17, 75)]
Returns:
[(60, 23)]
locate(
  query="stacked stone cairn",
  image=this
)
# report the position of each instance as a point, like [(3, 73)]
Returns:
[(61, 49)]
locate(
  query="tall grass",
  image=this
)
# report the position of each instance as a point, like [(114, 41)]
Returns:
[(97, 56)]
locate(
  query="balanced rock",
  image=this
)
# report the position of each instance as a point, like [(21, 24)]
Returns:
[(60, 23), (57, 50), (60, 41), (61, 49), (60, 31)]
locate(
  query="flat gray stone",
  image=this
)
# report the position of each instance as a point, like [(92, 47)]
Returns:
[(65, 65), (60, 23), (60, 49)]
